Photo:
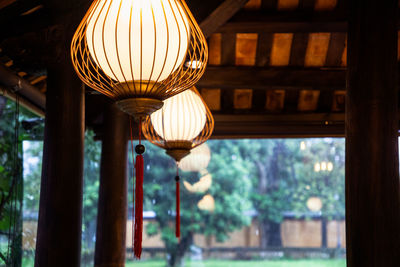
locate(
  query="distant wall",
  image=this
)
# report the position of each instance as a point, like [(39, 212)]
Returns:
[(294, 233)]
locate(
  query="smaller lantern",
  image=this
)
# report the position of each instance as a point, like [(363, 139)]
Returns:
[(201, 186), (183, 123), (198, 159), (207, 203), (314, 204)]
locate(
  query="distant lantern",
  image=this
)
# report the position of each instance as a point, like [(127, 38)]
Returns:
[(323, 166), (207, 203), (314, 204), (317, 167), (201, 186), (183, 123), (302, 145), (329, 166), (197, 160)]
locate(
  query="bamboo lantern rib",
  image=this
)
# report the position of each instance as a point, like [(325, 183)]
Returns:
[(183, 123), (139, 49)]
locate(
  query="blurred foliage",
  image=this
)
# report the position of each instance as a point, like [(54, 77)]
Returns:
[(266, 177), (11, 183), (90, 189), (230, 189)]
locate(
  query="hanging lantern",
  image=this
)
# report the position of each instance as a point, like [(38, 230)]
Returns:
[(197, 160), (139, 53), (201, 186), (207, 203), (314, 204), (183, 123)]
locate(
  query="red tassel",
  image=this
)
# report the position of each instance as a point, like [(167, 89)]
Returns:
[(178, 215), (137, 244)]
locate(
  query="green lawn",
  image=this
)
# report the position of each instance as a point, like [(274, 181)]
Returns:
[(226, 263), (255, 263)]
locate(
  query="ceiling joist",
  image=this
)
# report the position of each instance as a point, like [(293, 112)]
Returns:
[(278, 125), (221, 15), (273, 78)]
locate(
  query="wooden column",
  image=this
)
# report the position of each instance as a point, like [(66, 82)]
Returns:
[(112, 207), (60, 212), (372, 169)]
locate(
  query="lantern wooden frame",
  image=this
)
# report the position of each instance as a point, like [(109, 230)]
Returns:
[(141, 97), (180, 149)]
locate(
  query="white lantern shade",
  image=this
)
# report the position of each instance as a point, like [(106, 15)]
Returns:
[(314, 204), (317, 167), (182, 117), (201, 186), (207, 203), (142, 40), (197, 160)]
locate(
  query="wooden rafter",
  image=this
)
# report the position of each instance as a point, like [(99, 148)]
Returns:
[(336, 47), (221, 15), (283, 27), (273, 78), (285, 21), (277, 125), (5, 3)]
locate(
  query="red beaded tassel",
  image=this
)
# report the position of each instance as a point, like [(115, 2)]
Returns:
[(137, 242), (178, 213)]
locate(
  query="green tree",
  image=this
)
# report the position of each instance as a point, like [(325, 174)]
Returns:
[(11, 183), (32, 177), (275, 179), (327, 185), (284, 179), (91, 184), (33, 151), (230, 188)]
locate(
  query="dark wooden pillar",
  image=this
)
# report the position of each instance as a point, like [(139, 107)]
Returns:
[(59, 229), (112, 207), (324, 233), (372, 169)]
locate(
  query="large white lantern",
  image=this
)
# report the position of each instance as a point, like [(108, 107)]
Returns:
[(139, 52), (125, 29)]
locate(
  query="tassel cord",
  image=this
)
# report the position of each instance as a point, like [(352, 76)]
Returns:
[(133, 182), (178, 215)]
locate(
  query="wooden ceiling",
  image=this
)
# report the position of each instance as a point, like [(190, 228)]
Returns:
[(276, 67)]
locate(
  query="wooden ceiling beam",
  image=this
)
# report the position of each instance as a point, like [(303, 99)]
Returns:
[(336, 47), (285, 21), (16, 8), (5, 3), (33, 22), (283, 27), (221, 15), (26, 18), (279, 125), (273, 78)]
